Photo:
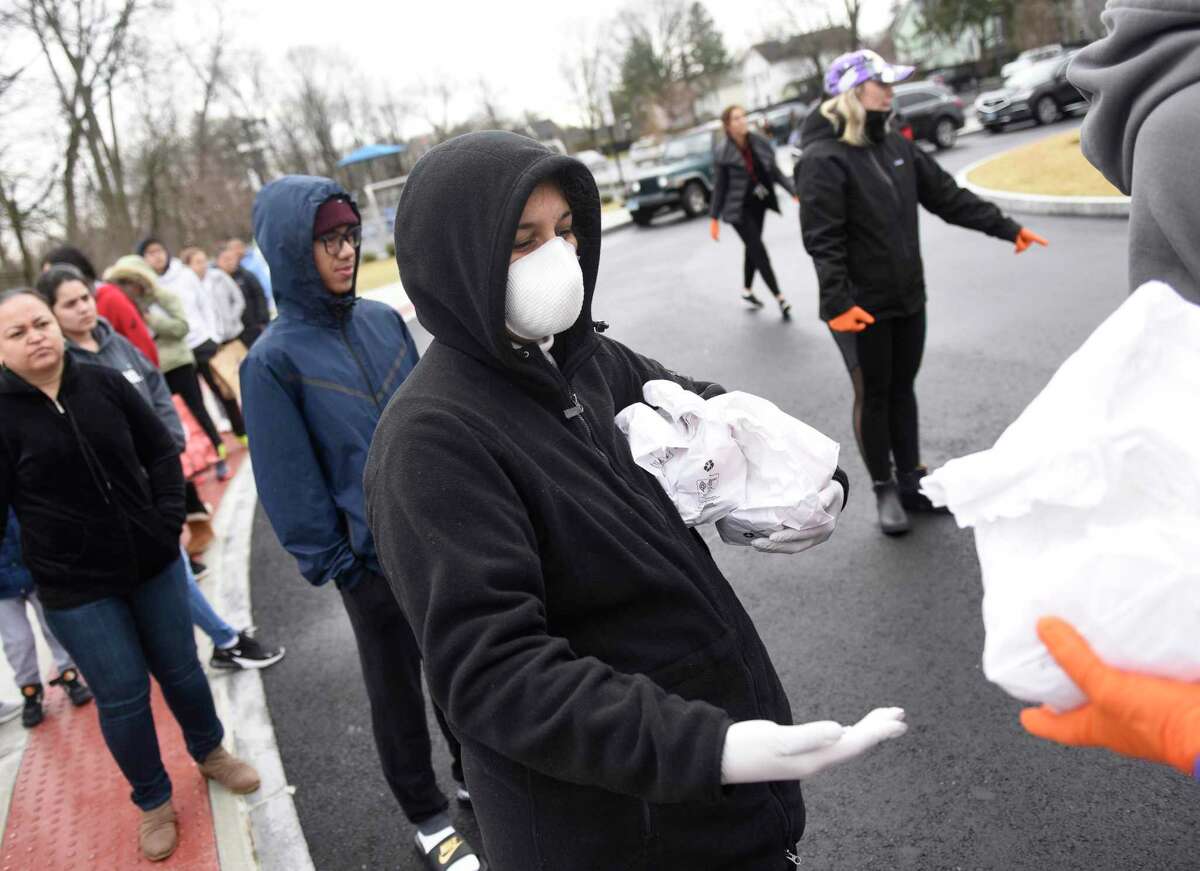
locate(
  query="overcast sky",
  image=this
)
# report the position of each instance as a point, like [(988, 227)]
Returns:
[(517, 45)]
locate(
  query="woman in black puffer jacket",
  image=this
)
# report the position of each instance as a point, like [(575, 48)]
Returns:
[(860, 183), (743, 191)]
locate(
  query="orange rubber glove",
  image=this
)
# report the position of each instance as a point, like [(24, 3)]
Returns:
[(1136, 715), (1026, 238), (853, 320), (714, 230)]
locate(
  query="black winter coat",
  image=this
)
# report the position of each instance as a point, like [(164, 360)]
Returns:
[(95, 481), (858, 218), (732, 182), (581, 641), (257, 314)]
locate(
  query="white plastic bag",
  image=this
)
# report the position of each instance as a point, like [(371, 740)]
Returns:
[(1088, 506), (736, 459), (789, 463), (693, 456)]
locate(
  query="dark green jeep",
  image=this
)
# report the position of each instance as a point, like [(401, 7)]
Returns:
[(681, 179)]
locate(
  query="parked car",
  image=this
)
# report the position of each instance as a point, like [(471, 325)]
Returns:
[(779, 121), (1029, 57), (933, 111), (1040, 92), (682, 179)]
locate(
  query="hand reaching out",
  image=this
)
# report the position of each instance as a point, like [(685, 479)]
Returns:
[(1027, 238), (1136, 715), (757, 751)]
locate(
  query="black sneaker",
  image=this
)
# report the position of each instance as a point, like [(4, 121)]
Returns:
[(33, 713), (462, 796), (75, 688), (785, 309), (247, 653), (199, 569), (752, 300)]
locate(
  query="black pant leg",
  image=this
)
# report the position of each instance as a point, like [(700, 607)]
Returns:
[(232, 411), (391, 666), (183, 382), (753, 214), (908, 346), (874, 349)]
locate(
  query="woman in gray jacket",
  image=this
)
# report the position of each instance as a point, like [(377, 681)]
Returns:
[(746, 175)]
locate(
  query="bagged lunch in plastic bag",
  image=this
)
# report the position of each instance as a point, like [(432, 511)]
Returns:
[(735, 459), (1088, 506)]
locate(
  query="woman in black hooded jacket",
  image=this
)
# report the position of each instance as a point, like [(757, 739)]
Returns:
[(616, 707), (94, 479), (744, 188), (860, 183)]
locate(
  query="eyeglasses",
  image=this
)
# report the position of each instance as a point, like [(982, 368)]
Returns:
[(333, 241)]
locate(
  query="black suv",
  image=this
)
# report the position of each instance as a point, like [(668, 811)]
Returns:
[(1039, 92), (682, 178), (932, 110)]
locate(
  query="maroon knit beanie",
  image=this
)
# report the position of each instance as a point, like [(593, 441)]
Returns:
[(333, 213)]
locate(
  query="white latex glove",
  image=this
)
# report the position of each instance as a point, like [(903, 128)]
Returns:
[(799, 540), (758, 751)]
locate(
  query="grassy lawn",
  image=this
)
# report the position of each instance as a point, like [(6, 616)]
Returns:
[(1053, 166), (377, 274)]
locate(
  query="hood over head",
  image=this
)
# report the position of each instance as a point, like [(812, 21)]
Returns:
[(284, 215), (455, 227), (1152, 50), (133, 267)]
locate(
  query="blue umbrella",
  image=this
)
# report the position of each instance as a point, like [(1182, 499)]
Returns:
[(370, 152)]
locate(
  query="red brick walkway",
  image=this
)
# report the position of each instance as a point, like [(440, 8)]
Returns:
[(70, 807)]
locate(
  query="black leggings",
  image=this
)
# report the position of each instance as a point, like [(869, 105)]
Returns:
[(183, 383), (204, 354), (756, 258), (883, 361)]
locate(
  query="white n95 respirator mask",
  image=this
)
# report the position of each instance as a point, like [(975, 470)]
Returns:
[(545, 291)]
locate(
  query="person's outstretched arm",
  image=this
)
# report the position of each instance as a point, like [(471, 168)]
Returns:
[(939, 193)]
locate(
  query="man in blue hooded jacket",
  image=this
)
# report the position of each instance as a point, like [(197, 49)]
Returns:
[(313, 389)]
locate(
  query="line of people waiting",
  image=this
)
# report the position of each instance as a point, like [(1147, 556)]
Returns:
[(95, 461)]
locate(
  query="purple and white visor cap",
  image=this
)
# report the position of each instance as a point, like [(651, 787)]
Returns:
[(852, 69)]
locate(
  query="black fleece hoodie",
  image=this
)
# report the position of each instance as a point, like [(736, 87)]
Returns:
[(580, 639), (95, 481)]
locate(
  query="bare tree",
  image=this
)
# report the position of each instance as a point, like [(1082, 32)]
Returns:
[(84, 46), (436, 94), (587, 68), (489, 103)]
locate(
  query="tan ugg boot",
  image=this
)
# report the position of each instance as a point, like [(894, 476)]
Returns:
[(200, 536), (157, 833), (229, 771)]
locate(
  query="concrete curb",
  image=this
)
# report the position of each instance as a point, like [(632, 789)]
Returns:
[(1041, 204), (261, 831)]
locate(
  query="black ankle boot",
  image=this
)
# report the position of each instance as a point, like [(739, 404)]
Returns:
[(911, 496), (33, 712), (892, 519)]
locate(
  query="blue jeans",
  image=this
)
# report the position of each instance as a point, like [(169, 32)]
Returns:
[(203, 615), (117, 643)]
